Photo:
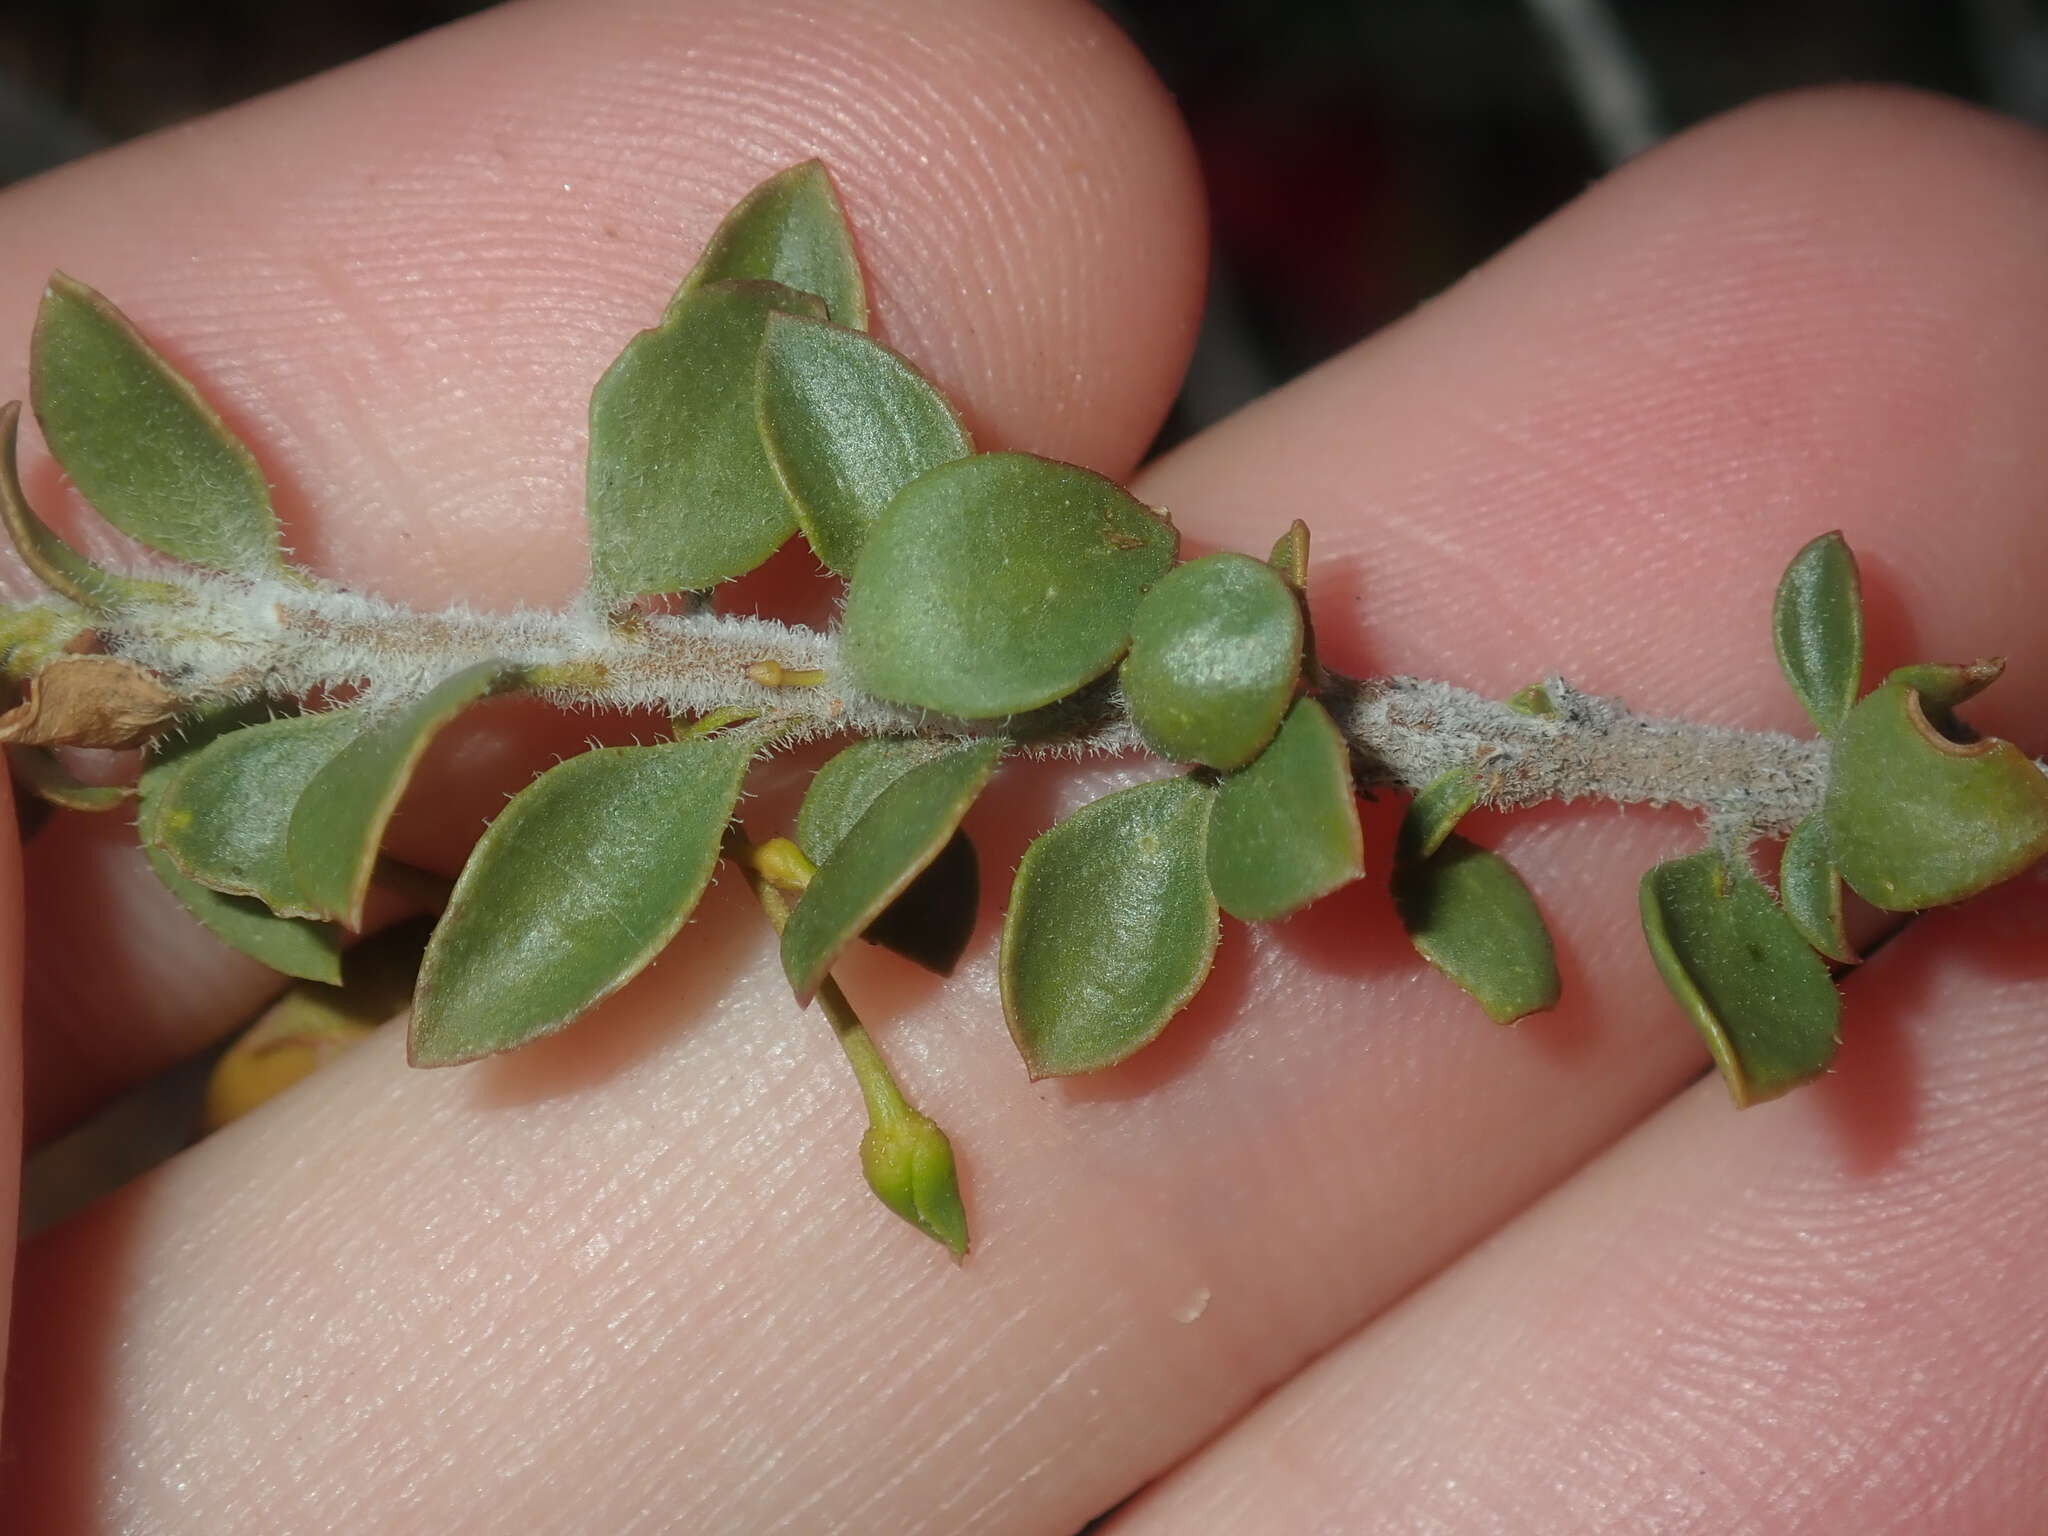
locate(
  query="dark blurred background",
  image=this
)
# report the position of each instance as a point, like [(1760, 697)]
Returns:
[(1443, 128)]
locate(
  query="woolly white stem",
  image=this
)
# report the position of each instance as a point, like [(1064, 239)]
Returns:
[(211, 638)]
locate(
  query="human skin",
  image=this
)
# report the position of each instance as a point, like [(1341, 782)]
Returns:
[(1528, 1280)]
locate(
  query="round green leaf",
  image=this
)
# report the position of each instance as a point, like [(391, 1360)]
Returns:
[(581, 881), (1468, 914), (1215, 656), (1811, 890), (996, 584), (681, 494), (896, 837), (1817, 626), (1111, 929), (1760, 998), (137, 440), (1916, 820), (338, 825), (789, 230), (1285, 828), (848, 424), (225, 818)]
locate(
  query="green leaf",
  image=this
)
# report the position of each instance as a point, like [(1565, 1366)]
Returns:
[(1285, 828), (339, 821), (52, 561), (575, 887), (681, 494), (1215, 657), (899, 834), (1435, 813), (308, 950), (996, 584), (1290, 556), (1811, 890), (1111, 929), (1758, 995), (931, 923), (1946, 686), (1916, 820), (226, 818), (789, 230), (137, 440), (848, 424), (1817, 625), (1468, 914)]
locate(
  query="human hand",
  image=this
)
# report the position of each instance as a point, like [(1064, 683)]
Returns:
[(628, 1280)]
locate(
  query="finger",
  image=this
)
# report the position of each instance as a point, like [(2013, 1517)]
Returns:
[(401, 281), (10, 1046), (675, 1262), (1827, 1316)]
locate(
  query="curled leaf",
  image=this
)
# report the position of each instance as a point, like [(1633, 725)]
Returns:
[(338, 823), (1817, 627), (136, 438), (1811, 890), (894, 840), (848, 424), (1759, 996), (1214, 661), (998, 583), (930, 922), (296, 947), (1112, 927), (53, 562), (575, 887), (89, 701), (1285, 828), (790, 230), (225, 818), (1916, 820), (680, 492), (1469, 914), (1435, 813)]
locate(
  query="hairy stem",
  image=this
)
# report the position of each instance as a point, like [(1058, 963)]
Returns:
[(211, 638)]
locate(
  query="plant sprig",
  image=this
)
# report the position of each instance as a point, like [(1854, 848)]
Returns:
[(997, 605)]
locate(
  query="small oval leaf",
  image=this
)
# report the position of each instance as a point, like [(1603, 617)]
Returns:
[(226, 817), (1470, 915), (308, 950), (790, 230), (149, 454), (1916, 820), (680, 493), (1760, 998), (575, 887), (1817, 626), (338, 824), (1215, 657), (1285, 829), (900, 833), (1811, 890), (996, 584), (1435, 813), (1112, 927), (848, 424)]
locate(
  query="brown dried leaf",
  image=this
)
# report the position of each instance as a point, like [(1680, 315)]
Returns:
[(89, 701)]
